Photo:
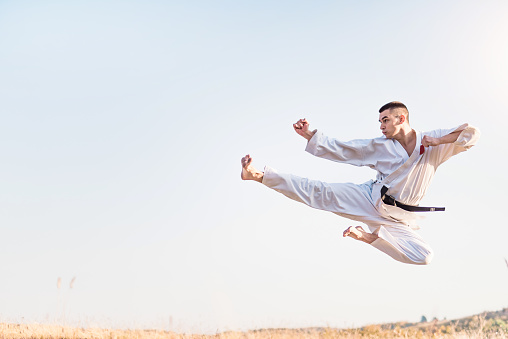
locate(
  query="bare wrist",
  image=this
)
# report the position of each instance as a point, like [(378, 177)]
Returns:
[(309, 134)]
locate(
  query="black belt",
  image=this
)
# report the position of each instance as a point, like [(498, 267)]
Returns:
[(389, 200)]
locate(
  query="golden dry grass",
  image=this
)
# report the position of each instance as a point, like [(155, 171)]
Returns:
[(373, 331)]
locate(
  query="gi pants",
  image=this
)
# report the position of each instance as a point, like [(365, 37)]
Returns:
[(355, 202)]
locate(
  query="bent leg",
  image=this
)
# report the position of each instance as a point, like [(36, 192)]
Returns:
[(403, 244), (353, 202), (358, 233), (403, 248)]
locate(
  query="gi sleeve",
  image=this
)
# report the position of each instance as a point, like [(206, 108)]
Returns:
[(350, 152), (466, 139)]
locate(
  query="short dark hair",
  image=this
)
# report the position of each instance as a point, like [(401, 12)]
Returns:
[(395, 105)]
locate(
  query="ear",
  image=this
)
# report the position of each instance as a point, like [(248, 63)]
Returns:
[(402, 118)]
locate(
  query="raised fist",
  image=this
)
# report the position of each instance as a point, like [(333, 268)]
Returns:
[(302, 128)]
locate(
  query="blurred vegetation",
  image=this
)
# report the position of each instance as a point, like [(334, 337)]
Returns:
[(485, 325)]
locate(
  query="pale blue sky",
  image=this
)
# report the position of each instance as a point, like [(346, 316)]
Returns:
[(122, 128)]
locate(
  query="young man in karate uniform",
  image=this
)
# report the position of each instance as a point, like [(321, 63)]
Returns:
[(405, 161)]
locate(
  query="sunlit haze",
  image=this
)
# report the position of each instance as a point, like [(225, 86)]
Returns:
[(122, 128)]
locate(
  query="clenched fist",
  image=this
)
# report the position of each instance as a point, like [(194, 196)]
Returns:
[(302, 128), (430, 141)]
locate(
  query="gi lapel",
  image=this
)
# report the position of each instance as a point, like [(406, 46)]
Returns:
[(409, 162)]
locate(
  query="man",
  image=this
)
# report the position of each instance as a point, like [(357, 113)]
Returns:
[(405, 161)]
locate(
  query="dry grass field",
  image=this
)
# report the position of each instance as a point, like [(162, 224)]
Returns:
[(486, 325), (48, 331)]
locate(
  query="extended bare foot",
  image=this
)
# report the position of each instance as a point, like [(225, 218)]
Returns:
[(249, 172), (358, 233)]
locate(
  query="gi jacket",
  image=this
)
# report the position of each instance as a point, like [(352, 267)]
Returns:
[(407, 177)]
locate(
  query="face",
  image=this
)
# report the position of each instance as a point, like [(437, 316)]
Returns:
[(390, 125)]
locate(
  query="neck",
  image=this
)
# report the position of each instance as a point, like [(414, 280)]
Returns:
[(405, 136)]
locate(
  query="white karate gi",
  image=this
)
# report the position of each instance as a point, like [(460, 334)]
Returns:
[(407, 178)]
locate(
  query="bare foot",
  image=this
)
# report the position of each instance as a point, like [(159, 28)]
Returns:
[(358, 233), (249, 172), (353, 232)]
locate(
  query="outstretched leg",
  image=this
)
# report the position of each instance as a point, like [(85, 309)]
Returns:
[(350, 201), (358, 233), (249, 172)]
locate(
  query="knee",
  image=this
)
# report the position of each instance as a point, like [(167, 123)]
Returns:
[(425, 257)]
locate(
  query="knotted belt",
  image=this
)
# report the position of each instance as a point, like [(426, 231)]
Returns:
[(389, 200)]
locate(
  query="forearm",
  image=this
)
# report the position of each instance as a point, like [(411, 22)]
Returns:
[(450, 142), (332, 149), (308, 134), (449, 138)]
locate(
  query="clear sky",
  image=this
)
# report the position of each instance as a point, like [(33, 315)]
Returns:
[(122, 128)]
